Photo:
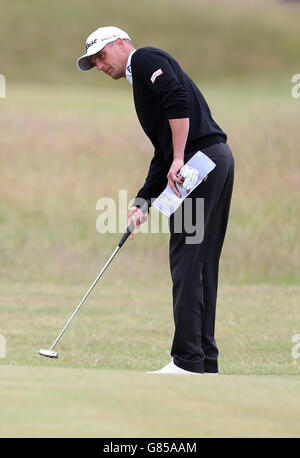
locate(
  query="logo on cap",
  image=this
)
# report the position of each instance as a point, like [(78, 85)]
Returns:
[(91, 43), (110, 37)]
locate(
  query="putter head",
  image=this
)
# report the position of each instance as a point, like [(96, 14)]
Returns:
[(48, 353)]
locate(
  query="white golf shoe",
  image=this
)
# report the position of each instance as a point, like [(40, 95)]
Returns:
[(171, 368)]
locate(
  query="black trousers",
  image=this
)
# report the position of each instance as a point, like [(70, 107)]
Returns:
[(194, 265)]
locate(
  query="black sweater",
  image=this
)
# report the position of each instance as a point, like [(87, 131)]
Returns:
[(163, 91)]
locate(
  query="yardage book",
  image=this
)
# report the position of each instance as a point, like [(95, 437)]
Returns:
[(167, 202)]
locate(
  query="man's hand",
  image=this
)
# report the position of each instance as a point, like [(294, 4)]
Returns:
[(172, 175), (136, 216)]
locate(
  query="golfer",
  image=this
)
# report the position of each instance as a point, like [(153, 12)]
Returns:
[(176, 118)]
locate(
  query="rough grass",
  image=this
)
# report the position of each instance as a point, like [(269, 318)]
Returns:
[(212, 39), (63, 149)]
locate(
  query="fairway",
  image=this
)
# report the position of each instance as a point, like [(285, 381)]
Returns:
[(57, 402), (129, 326), (98, 388)]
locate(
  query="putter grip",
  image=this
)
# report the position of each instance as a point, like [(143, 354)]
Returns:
[(130, 228)]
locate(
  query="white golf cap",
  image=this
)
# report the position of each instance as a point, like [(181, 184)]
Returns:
[(96, 41)]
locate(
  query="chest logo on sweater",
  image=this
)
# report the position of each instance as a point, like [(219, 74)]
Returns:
[(156, 74)]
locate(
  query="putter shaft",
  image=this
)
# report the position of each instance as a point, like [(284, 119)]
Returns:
[(129, 230), (86, 295)]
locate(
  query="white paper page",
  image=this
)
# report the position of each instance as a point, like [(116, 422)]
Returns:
[(167, 202)]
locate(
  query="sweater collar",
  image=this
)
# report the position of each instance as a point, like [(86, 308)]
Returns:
[(128, 67)]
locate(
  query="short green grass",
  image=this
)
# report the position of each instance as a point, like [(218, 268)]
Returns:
[(98, 388), (127, 324), (57, 402)]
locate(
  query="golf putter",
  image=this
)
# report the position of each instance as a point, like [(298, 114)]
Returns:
[(54, 354)]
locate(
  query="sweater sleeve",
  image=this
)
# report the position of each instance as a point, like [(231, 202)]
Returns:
[(156, 180), (157, 73)]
